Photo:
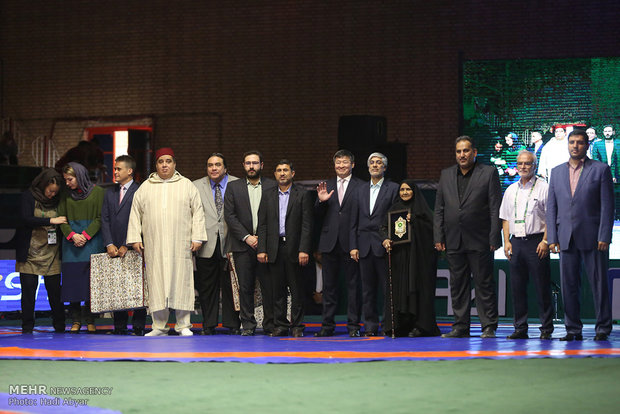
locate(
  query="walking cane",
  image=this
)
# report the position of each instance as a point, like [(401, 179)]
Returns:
[(391, 292)]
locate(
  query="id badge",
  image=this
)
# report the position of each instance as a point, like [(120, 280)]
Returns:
[(51, 237), (519, 228)]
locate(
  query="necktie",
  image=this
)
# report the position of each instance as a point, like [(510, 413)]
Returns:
[(340, 191), (123, 189), (219, 204)]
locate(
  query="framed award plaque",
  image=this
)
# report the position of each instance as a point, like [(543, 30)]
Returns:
[(399, 227)]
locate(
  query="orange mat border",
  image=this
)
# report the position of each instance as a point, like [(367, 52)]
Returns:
[(17, 352)]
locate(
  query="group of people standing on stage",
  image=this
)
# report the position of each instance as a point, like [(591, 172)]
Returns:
[(573, 214), (264, 228)]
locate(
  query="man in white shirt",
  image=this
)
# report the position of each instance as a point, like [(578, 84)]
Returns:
[(554, 153), (523, 217)]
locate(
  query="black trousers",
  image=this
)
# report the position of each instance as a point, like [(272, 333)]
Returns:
[(524, 264), (286, 273), (373, 271), (463, 265), (77, 312), (248, 271), (334, 263), (121, 318), (210, 277), (29, 283)]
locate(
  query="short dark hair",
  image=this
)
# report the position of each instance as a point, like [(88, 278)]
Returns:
[(466, 138), (581, 133), (344, 153), (253, 152), (285, 161), (129, 162), (219, 155)]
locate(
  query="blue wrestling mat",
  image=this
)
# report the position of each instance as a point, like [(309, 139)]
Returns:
[(260, 349)]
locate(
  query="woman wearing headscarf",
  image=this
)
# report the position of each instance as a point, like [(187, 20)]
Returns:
[(413, 269), (81, 204), (37, 250)]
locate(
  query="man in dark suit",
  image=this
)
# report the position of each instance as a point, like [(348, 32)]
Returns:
[(241, 203), (608, 151), (467, 227), (372, 201), (285, 243), (114, 220), (335, 210), (580, 218), (212, 276)]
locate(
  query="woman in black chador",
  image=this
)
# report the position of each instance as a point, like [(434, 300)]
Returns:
[(414, 269)]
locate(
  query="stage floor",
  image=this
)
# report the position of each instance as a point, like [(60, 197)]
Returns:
[(260, 349)]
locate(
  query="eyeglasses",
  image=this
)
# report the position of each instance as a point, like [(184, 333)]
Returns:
[(525, 164)]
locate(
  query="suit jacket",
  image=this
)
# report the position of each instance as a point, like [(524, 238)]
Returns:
[(298, 224), (474, 222), (599, 153), (365, 227), (215, 225), (336, 217), (115, 216), (589, 214), (238, 213)]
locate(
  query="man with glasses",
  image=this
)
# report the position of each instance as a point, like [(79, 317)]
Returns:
[(523, 217), (241, 203)]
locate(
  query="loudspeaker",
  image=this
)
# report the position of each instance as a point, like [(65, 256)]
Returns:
[(361, 131)]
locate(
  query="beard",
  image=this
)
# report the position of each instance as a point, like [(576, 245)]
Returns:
[(253, 174)]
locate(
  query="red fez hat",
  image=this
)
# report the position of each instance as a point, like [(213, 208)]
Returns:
[(164, 151)]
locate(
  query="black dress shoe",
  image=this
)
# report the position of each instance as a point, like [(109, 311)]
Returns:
[(518, 335), (232, 331), (455, 333), (354, 333), (545, 336), (26, 331), (370, 333), (119, 331), (207, 331), (415, 333), (572, 337), (297, 332), (247, 332), (138, 331), (601, 337), (324, 332), (488, 332), (279, 332)]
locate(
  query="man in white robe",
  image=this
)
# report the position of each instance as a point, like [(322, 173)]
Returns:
[(167, 224)]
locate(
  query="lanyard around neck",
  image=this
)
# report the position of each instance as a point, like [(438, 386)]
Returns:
[(528, 199)]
